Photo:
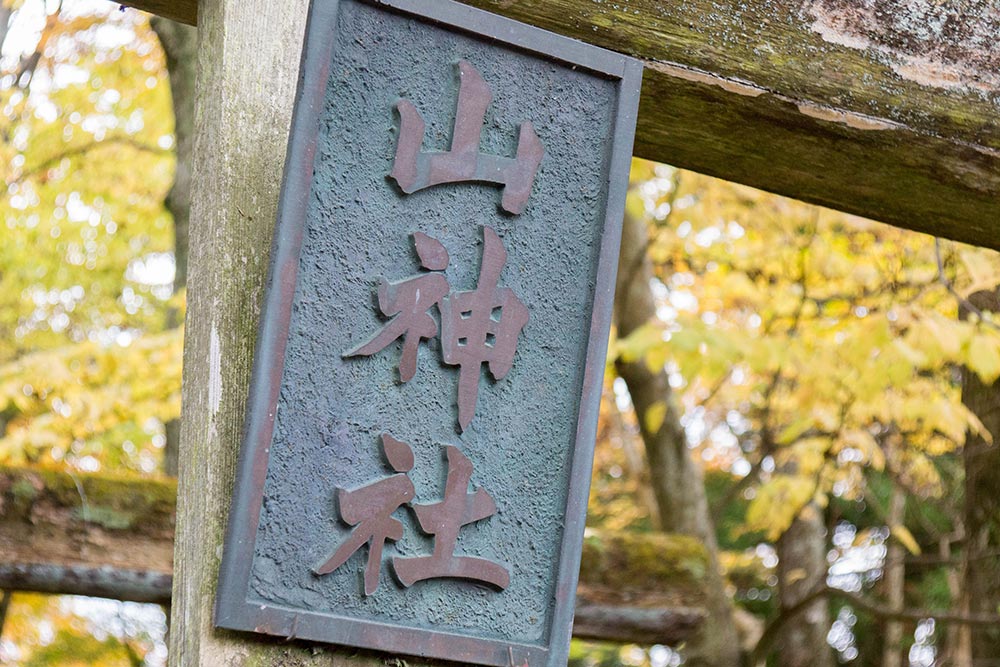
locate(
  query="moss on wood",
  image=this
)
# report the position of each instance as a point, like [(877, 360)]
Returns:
[(750, 92), (61, 519), (114, 501), (638, 563)]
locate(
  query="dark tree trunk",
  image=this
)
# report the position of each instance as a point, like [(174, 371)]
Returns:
[(179, 44), (895, 575), (982, 502), (676, 479), (5, 14), (180, 49), (801, 570), (955, 644)]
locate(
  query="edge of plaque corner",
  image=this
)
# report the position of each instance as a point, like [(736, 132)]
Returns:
[(277, 621), (511, 32)]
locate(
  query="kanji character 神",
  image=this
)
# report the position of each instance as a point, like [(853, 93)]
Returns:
[(477, 326), (481, 326), (409, 300), (369, 508)]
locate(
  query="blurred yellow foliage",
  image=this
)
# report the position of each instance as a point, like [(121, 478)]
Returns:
[(88, 371), (806, 343)]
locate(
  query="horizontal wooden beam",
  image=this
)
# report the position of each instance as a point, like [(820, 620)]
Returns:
[(112, 536), (856, 105), (50, 517), (636, 625), (182, 11), (104, 581), (864, 107), (592, 620)]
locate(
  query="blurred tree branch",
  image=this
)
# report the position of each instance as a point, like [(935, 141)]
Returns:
[(774, 629), (77, 151), (677, 480)]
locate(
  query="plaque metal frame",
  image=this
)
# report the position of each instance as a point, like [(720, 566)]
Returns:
[(233, 609)]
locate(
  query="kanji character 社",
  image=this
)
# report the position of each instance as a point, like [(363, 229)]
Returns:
[(369, 508), (481, 326), (409, 300), (443, 520)]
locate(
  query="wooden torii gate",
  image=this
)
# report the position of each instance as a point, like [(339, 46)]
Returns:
[(860, 105)]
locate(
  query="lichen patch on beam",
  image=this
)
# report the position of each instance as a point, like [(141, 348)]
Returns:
[(66, 519), (797, 97), (936, 74), (938, 44), (751, 92)]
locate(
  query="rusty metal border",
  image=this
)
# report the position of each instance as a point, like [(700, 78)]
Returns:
[(234, 610)]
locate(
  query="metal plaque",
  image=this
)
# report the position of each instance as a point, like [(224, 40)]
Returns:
[(421, 421)]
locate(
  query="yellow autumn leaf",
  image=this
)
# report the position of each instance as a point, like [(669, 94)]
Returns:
[(796, 574), (634, 346), (777, 503), (865, 443), (984, 357), (655, 415), (982, 267), (905, 537)]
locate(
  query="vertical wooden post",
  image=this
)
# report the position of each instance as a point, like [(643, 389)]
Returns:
[(248, 58)]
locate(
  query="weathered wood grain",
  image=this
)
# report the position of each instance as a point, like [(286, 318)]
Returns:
[(103, 581), (248, 56), (631, 624), (881, 108), (864, 107)]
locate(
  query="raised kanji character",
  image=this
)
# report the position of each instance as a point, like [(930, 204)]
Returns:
[(481, 326), (369, 508), (443, 520), (415, 170), (409, 300)]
